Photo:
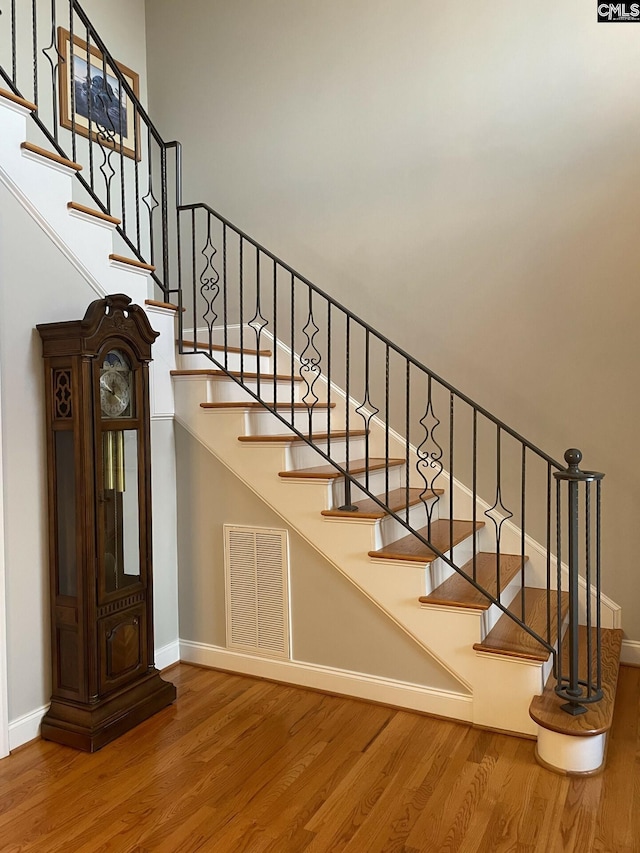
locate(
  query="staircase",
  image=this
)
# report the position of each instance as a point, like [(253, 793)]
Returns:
[(449, 521)]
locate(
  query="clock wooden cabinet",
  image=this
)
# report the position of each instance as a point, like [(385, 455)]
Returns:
[(104, 680)]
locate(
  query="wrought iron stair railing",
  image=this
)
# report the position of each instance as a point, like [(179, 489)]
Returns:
[(231, 287)]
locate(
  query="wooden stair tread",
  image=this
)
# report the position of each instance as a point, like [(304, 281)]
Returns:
[(292, 437), (200, 345), (368, 508), (508, 638), (50, 155), (328, 472), (169, 305), (411, 549), (545, 709), (90, 211), (132, 262), (256, 405), (5, 93), (242, 374), (456, 591)]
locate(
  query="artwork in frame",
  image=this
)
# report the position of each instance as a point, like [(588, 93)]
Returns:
[(102, 110)]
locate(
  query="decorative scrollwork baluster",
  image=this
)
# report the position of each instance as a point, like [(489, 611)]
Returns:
[(54, 57), (367, 409), (209, 283), (429, 464), (258, 322), (310, 361), (498, 513)]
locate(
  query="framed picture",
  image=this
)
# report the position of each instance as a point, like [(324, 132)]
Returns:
[(103, 112)]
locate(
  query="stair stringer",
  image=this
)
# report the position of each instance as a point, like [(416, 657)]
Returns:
[(501, 687)]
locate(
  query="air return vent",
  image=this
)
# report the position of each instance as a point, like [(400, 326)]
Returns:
[(257, 590)]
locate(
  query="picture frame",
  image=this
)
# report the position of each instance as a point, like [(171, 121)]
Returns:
[(107, 108)]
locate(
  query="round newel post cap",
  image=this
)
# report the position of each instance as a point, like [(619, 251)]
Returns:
[(573, 458)]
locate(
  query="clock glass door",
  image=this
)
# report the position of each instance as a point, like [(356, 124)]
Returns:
[(120, 508)]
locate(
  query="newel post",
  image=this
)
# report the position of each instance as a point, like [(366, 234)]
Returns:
[(579, 651)]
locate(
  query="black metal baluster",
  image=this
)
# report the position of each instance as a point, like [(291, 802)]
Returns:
[(522, 528), (258, 322), (310, 362), (123, 195), (387, 416), (193, 278), (164, 211), (549, 553), (598, 591), (151, 203), (560, 674), (407, 439), (225, 330), (474, 507), (136, 173), (209, 287), (34, 24), (429, 453), (348, 505), (293, 343), (90, 132), (328, 378), (498, 513), (53, 63), (179, 262), (275, 331), (14, 53), (367, 410), (241, 299), (589, 674), (451, 475), (70, 75)]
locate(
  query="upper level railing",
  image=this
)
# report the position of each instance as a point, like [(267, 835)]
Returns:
[(466, 463), (89, 111)]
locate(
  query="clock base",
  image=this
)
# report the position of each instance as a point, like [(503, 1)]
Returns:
[(89, 727)]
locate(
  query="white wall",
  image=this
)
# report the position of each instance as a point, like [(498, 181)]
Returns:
[(332, 623), (460, 174)]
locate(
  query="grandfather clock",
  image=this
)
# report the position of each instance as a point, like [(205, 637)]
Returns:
[(99, 483)]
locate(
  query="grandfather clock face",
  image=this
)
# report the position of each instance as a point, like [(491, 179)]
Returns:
[(116, 390), (120, 529)]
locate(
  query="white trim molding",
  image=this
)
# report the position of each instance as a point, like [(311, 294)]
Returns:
[(26, 728), (630, 653), (167, 655), (373, 688)]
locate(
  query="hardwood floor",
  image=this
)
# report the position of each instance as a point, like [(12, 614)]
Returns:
[(240, 765)]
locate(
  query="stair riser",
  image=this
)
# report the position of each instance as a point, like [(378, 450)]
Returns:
[(491, 616), (303, 456), (189, 360), (222, 390), (391, 530), (440, 570), (264, 423), (377, 485)]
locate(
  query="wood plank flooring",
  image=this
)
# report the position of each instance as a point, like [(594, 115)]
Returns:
[(241, 765)]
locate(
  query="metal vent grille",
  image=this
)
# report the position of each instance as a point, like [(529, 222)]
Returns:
[(257, 590)]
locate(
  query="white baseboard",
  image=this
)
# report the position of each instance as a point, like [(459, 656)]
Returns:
[(413, 697), (167, 655), (630, 652), (26, 728)]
